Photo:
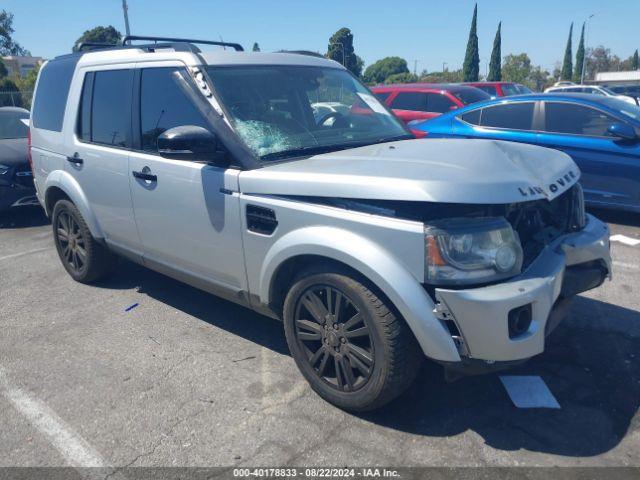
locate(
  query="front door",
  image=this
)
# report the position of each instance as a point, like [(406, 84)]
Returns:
[(187, 213), (610, 167)]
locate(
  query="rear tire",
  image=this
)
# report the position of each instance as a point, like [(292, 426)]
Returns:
[(358, 356), (84, 258)]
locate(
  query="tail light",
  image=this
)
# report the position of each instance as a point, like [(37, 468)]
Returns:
[(418, 133), (29, 156)]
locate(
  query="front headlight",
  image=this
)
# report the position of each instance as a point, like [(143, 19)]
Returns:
[(462, 251), (4, 169)]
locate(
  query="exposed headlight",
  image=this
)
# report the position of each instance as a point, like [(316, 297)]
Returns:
[(461, 251), (4, 169)]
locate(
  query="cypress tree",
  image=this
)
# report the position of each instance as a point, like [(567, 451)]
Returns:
[(471, 67), (567, 67), (635, 63), (577, 69), (495, 65)]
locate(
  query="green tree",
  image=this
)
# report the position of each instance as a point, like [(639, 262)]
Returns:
[(357, 71), (99, 34), (447, 76), (3, 70), (26, 84), (495, 67), (404, 77), (577, 71), (567, 67), (471, 66), (340, 49), (600, 59), (7, 45), (635, 63), (256, 47), (379, 71), (516, 68)]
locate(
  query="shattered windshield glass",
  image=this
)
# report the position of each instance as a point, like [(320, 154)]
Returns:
[(283, 111)]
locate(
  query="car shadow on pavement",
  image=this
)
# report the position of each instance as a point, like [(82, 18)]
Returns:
[(591, 365), (593, 371), (23, 217)]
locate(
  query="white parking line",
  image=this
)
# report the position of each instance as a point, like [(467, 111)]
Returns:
[(28, 252), (75, 449), (632, 242), (631, 266)]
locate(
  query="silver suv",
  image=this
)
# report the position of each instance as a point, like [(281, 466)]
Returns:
[(375, 249)]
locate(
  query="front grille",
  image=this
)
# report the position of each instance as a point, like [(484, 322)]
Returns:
[(540, 222)]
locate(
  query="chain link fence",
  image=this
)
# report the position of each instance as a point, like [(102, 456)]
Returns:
[(13, 98)]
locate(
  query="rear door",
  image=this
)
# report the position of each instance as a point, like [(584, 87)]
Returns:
[(98, 150), (610, 167)]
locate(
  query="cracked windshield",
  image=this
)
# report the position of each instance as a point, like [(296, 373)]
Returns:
[(288, 111)]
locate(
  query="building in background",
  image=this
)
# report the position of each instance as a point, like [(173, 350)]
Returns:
[(618, 78), (21, 65)]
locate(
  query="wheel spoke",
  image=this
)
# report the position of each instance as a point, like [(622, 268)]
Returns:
[(63, 235), (309, 325), (305, 336), (323, 362), (358, 332), (316, 356), (348, 372), (358, 364), (63, 222), (315, 307), (361, 353), (353, 321), (67, 253), (82, 253), (339, 375), (337, 306)]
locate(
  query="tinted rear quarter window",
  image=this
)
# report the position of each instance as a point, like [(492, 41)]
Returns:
[(490, 89), (472, 117), (413, 101), (382, 96), (52, 93), (469, 95), (516, 116)]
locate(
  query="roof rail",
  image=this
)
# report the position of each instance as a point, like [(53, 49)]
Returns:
[(129, 38), (303, 52), (93, 46)]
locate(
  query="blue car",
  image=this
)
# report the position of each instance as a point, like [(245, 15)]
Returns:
[(601, 134)]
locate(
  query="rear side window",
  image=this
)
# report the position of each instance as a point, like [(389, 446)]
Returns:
[(472, 117), (437, 102), (413, 101), (515, 116), (576, 120), (52, 93), (382, 96), (105, 110), (490, 89), (163, 105)]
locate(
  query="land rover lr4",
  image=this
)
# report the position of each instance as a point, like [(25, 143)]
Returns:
[(278, 181)]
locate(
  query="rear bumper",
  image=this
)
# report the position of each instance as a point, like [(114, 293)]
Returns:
[(572, 264), (17, 196)]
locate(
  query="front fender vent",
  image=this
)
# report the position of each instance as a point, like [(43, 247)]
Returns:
[(261, 220)]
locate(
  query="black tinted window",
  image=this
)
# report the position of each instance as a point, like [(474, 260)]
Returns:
[(469, 95), (437, 102), (490, 89), (84, 117), (163, 105), (111, 112), (51, 95), (12, 125), (414, 101), (382, 96), (472, 117), (517, 116), (576, 119)]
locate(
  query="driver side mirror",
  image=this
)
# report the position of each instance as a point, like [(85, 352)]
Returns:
[(622, 131), (192, 143)]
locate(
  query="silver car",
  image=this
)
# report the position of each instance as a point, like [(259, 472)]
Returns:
[(373, 248)]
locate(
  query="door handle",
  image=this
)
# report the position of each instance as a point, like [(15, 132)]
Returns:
[(145, 176), (76, 160)]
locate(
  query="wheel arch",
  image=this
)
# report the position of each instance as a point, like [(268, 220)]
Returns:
[(60, 185), (365, 258)]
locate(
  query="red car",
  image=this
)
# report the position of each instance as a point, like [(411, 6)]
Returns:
[(422, 101), (501, 89)]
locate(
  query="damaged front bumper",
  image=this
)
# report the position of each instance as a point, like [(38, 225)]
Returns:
[(502, 324)]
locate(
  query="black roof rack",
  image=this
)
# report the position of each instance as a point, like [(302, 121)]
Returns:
[(126, 41), (303, 52), (94, 46)]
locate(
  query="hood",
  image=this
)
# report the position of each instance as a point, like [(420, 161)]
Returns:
[(435, 170), (13, 152)]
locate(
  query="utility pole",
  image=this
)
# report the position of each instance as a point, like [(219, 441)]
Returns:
[(415, 67), (586, 41), (444, 66), (125, 10)]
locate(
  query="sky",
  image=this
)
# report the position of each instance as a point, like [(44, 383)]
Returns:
[(427, 31)]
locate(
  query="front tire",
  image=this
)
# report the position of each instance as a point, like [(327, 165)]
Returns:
[(82, 256), (347, 342)]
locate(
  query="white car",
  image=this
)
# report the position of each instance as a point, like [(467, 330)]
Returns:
[(592, 89)]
